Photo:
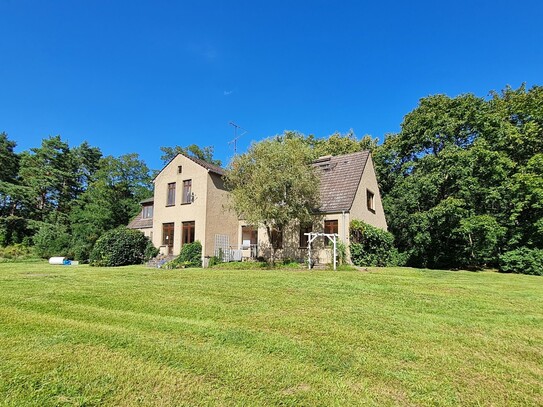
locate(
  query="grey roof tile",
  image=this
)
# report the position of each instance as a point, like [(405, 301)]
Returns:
[(208, 166), (139, 223), (339, 179)]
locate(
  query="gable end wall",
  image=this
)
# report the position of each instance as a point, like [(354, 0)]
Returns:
[(359, 209)]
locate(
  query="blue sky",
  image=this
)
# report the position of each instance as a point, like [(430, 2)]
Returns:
[(131, 76)]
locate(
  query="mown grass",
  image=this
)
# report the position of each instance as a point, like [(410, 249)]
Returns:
[(136, 336)]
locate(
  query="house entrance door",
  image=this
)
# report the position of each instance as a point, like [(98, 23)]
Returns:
[(167, 236)]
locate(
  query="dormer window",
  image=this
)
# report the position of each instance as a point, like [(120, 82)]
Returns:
[(147, 212)]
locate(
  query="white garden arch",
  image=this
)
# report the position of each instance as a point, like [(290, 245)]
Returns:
[(311, 236)]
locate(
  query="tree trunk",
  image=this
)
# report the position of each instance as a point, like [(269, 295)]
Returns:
[(272, 247)]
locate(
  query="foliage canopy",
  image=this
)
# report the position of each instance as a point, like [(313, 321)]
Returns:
[(462, 181), (273, 184)]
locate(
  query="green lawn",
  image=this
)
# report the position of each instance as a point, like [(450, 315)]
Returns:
[(136, 336)]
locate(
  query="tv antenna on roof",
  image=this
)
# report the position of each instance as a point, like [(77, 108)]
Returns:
[(236, 136)]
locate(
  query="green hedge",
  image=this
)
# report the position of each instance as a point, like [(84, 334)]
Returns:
[(523, 261), (120, 247), (371, 246)]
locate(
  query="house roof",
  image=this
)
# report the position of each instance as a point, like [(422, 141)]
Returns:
[(208, 166), (148, 200), (339, 179), (139, 223)]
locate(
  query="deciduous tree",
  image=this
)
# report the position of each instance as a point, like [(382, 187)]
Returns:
[(192, 150), (273, 184)]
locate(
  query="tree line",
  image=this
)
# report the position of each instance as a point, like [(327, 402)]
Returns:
[(462, 182), (62, 198)]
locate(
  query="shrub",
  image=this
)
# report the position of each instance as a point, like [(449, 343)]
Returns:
[(150, 251), (341, 252), (120, 247), (81, 250), (213, 261), (190, 256), (14, 229), (52, 240), (523, 260), (371, 246), (16, 251)]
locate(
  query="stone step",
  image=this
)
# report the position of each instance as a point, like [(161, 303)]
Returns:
[(159, 260)]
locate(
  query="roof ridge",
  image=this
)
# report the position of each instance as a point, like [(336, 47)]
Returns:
[(207, 165)]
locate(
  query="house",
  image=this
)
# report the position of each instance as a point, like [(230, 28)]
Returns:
[(189, 204), (348, 190), (143, 221)]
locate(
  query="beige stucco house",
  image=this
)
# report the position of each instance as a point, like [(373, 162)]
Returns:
[(188, 205), (190, 199), (348, 190)]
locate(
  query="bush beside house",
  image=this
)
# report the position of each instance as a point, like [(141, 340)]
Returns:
[(190, 256), (121, 247), (371, 246)]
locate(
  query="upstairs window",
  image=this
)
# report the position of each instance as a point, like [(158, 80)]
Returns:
[(171, 194), (147, 212), (330, 226), (179, 169), (187, 191), (370, 199)]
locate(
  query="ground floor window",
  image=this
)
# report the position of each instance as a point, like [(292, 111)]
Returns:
[(330, 226), (188, 232), (167, 235), (304, 240)]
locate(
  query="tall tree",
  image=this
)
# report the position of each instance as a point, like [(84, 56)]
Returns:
[(338, 144), (11, 194), (8, 158), (335, 144), (192, 150), (273, 184), (111, 200), (50, 172), (460, 181)]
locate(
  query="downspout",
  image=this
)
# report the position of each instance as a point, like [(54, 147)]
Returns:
[(344, 238), (347, 253)]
